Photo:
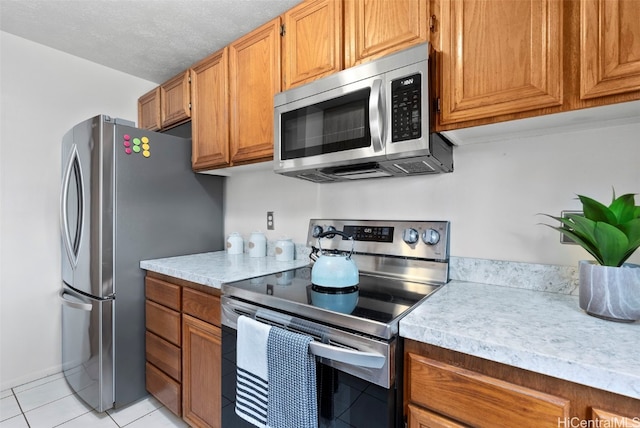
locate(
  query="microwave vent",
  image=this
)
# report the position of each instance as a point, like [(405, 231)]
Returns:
[(416, 167), (316, 177)]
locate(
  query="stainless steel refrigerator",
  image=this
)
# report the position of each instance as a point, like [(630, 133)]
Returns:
[(127, 195)]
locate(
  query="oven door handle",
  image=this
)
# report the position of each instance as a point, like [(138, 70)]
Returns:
[(347, 356)]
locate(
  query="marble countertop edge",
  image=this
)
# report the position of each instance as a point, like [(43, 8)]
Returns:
[(181, 274), (585, 374)]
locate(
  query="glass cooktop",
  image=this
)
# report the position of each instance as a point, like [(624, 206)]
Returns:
[(378, 300)]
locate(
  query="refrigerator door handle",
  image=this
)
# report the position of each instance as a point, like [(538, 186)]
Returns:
[(76, 303), (72, 171)]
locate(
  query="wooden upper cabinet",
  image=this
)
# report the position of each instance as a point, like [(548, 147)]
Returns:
[(609, 47), (149, 110), (254, 79), (175, 100), (312, 42), (500, 57), (210, 116), (374, 28)]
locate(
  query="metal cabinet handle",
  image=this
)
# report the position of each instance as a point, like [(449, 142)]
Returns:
[(75, 304)]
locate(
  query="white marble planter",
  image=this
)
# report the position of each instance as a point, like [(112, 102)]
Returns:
[(611, 293)]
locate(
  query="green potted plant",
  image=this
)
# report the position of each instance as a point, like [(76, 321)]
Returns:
[(608, 287)]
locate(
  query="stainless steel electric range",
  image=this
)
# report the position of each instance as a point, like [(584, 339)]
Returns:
[(359, 352)]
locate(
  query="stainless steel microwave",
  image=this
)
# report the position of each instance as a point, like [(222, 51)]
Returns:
[(368, 121)]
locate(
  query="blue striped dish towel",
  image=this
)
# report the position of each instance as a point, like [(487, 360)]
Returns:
[(292, 381), (252, 377)]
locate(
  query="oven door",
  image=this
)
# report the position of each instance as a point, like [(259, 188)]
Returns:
[(331, 128), (349, 381)]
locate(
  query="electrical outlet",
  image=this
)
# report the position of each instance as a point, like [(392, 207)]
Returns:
[(564, 239), (269, 220)]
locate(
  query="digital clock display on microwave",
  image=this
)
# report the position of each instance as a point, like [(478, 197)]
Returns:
[(369, 233)]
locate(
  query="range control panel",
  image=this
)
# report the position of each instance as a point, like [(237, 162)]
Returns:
[(415, 239)]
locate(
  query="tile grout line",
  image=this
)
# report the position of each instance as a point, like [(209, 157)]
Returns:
[(13, 393)]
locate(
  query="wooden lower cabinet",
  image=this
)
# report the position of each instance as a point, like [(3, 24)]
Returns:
[(184, 348), (423, 418), (478, 400), (602, 418), (164, 388), (444, 388), (201, 367)]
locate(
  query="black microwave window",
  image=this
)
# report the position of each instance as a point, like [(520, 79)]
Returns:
[(332, 126)]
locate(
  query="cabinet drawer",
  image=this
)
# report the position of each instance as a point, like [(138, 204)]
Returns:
[(201, 305), (163, 321), (163, 355), (165, 389), (419, 418), (482, 401), (162, 292)]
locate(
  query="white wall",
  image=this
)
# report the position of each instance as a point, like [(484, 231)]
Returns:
[(492, 198), (44, 93)]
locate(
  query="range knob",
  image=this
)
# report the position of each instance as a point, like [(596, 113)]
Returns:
[(410, 236), (430, 236), (316, 231), (331, 229)]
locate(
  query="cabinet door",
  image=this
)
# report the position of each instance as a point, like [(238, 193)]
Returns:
[(423, 418), (149, 110), (499, 57), (210, 117), (374, 28), (312, 42), (201, 373), (254, 77), (175, 100), (609, 47)]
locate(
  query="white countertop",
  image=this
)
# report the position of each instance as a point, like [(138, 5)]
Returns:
[(216, 268), (538, 331)]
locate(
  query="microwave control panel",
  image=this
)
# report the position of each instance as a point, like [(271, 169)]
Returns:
[(406, 108)]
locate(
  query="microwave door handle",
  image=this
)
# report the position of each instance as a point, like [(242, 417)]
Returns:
[(376, 115), (347, 356)]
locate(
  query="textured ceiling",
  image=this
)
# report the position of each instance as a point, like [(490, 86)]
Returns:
[(151, 39)]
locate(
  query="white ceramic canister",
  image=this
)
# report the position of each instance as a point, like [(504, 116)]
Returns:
[(235, 244), (284, 250), (257, 245)]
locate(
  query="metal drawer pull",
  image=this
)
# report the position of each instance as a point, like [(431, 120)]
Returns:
[(347, 356)]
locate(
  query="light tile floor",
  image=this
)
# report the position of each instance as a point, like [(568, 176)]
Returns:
[(49, 402)]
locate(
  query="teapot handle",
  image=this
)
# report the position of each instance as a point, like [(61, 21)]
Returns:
[(336, 232)]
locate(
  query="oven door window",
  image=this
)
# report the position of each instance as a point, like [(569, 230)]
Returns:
[(335, 125)]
